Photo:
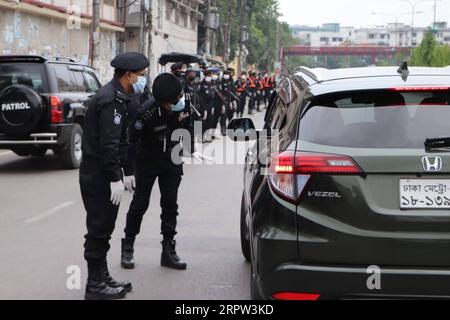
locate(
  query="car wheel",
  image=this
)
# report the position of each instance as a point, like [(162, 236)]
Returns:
[(245, 235), (71, 155)]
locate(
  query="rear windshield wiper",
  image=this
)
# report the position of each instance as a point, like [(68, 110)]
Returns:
[(438, 144)]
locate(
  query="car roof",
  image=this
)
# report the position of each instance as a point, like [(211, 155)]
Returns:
[(39, 59), (323, 75), (322, 81)]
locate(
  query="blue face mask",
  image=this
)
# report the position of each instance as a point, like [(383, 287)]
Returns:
[(139, 86), (179, 106)]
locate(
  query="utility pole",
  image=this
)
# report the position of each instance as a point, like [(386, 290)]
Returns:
[(208, 31), (435, 15), (149, 38), (142, 28), (278, 42), (95, 35), (227, 27), (242, 31)]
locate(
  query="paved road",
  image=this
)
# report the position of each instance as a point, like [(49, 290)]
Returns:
[(42, 222)]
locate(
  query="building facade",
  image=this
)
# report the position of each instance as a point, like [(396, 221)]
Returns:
[(59, 28), (63, 28), (393, 34), (174, 28)]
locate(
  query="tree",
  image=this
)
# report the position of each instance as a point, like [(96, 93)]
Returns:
[(264, 16), (424, 54)]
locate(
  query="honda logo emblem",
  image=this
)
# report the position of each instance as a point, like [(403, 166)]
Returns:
[(432, 164)]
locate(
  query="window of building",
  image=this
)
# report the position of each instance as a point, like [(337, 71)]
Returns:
[(169, 10)]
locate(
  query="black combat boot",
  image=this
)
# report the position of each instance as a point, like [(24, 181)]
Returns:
[(169, 257), (127, 261), (113, 283), (97, 288)]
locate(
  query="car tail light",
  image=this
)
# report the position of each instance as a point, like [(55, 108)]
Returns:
[(290, 171), (294, 296), (420, 88), (56, 109)]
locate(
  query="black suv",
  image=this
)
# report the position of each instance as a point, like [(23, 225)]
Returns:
[(349, 194), (43, 106)]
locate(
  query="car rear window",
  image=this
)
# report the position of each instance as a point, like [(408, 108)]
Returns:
[(68, 80), (31, 75), (397, 118)]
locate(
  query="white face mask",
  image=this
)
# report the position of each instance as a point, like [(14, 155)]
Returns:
[(226, 77), (208, 79), (215, 78), (243, 77)]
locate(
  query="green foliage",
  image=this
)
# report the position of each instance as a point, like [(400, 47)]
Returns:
[(263, 20), (430, 53)]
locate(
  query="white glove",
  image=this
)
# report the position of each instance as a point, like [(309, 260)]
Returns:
[(130, 183), (201, 157), (117, 190), (205, 116)]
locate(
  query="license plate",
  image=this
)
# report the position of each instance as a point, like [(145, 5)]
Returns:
[(425, 194)]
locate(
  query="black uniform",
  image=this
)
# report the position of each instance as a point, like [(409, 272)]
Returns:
[(207, 94), (105, 148), (218, 104), (227, 90), (152, 133), (191, 97), (241, 89)]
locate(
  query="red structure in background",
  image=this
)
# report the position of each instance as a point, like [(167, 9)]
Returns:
[(371, 51)]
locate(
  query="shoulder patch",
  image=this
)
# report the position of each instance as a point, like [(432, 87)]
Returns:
[(117, 118)]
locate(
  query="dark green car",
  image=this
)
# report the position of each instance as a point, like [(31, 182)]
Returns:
[(352, 196)]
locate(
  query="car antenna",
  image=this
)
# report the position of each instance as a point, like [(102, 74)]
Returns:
[(403, 70)]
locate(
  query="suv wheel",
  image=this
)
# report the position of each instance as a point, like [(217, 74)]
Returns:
[(70, 155), (245, 235)]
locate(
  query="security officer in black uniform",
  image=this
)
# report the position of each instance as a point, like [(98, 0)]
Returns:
[(159, 157), (191, 97), (207, 95), (105, 148), (226, 89), (178, 69)]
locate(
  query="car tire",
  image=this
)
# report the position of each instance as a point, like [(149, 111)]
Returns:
[(70, 155), (245, 237)]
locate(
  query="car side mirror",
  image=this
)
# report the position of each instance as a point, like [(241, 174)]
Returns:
[(242, 129)]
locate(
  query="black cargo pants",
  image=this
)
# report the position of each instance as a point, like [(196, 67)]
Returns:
[(169, 182), (101, 213)]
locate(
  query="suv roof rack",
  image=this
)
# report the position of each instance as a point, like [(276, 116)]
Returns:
[(22, 58), (312, 73), (67, 59)]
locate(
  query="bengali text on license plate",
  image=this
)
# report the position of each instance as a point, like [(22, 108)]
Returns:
[(425, 194)]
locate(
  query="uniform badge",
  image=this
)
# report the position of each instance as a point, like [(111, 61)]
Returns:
[(117, 118), (183, 115), (139, 125)]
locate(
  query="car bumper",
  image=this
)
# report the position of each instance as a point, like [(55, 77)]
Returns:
[(52, 137), (353, 283)]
